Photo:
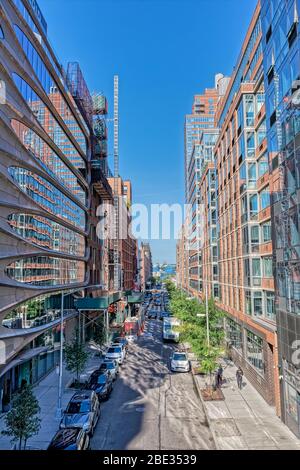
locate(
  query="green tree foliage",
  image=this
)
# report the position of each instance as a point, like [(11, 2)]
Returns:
[(22, 421), (193, 328), (76, 356)]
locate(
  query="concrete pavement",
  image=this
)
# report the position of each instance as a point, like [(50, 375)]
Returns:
[(47, 394), (151, 408), (244, 420)]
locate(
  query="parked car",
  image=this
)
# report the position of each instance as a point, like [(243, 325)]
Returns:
[(116, 364), (131, 338), (121, 339), (179, 362), (110, 367), (152, 314), (83, 411), (115, 353), (122, 346), (70, 439), (100, 382), (121, 342)]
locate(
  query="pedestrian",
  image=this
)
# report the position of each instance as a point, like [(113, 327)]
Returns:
[(239, 377), (220, 375)]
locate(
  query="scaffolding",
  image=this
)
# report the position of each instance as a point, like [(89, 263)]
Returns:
[(79, 90)]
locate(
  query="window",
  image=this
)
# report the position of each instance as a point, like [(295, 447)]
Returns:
[(261, 132), (266, 232), (253, 206), (250, 144), (264, 199), (248, 302), (255, 351), (270, 305), (249, 110), (254, 238), (252, 175), (47, 271), (257, 304), (256, 271), (234, 334), (267, 266), (240, 116), (260, 99), (263, 165)]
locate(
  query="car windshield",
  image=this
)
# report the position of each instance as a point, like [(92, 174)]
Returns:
[(78, 407), (114, 350), (179, 357)]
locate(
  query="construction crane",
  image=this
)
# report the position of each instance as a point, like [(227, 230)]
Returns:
[(116, 241)]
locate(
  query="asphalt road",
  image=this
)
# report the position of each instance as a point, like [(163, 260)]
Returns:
[(151, 408)]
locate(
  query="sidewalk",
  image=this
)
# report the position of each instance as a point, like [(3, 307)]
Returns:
[(47, 393), (244, 420)]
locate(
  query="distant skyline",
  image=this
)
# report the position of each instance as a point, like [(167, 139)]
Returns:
[(164, 52)]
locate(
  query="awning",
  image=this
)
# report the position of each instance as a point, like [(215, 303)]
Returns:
[(135, 298), (92, 303)]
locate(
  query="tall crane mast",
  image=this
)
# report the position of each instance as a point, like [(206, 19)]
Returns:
[(116, 241)]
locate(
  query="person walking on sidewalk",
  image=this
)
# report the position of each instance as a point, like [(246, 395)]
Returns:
[(239, 377)]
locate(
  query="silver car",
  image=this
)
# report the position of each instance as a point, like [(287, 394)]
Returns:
[(83, 412), (179, 362)]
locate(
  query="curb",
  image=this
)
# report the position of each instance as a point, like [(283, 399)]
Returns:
[(205, 412)]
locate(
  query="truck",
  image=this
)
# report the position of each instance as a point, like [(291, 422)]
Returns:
[(169, 332)]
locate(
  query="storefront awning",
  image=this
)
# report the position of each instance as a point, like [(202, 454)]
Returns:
[(135, 298)]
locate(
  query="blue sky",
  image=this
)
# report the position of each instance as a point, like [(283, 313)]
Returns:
[(164, 52)]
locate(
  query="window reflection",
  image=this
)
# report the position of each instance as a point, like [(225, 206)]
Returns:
[(49, 123), (51, 162), (47, 234), (50, 87), (48, 196), (47, 271), (40, 311)]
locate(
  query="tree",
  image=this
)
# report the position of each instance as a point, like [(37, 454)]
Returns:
[(22, 421), (76, 356)]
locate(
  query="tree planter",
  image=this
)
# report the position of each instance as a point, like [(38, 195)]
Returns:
[(211, 394)]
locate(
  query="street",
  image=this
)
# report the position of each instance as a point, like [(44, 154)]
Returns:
[(150, 407)]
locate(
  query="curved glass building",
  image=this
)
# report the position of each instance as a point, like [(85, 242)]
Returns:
[(45, 198)]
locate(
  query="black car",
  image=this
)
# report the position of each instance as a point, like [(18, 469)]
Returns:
[(70, 439), (152, 314), (102, 383)]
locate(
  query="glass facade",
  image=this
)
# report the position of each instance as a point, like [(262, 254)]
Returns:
[(37, 312), (51, 162), (48, 122), (46, 233), (47, 271), (48, 196), (50, 87)]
